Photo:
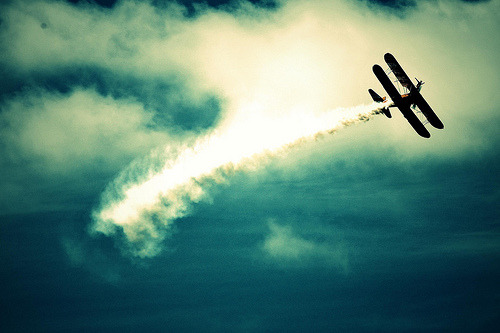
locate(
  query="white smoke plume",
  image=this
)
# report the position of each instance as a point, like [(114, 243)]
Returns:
[(276, 74), (143, 209)]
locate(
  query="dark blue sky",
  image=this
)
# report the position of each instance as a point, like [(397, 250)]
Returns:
[(369, 229), (429, 264)]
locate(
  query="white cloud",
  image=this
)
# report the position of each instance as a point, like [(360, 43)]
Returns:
[(315, 54), (284, 246), (83, 35), (78, 131)]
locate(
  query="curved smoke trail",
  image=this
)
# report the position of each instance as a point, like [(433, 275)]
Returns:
[(143, 208)]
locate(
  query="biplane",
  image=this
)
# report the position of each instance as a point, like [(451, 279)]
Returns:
[(407, 102)]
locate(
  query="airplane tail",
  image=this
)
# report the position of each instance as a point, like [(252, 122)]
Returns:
[(376, 97), (386, 112)]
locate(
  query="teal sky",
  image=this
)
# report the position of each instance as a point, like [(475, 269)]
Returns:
[(369, 229)]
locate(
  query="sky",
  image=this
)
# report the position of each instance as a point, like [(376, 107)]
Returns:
[(213, 166)]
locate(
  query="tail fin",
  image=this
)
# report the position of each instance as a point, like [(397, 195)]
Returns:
[(386, 112), (376, 96), (378, 99)]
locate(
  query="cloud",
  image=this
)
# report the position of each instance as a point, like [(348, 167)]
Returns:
[(48, 34), (316, 55), (299, 61), (78, 130), (88, 256), (285, 247), (57, 148), (249, 67)]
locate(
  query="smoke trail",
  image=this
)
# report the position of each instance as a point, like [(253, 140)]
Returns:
[(142, 207)]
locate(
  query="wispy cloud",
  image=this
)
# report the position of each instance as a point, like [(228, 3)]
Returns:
[(85, 255), (284, 246)]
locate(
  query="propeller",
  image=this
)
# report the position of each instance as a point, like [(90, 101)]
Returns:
[(419, 84)]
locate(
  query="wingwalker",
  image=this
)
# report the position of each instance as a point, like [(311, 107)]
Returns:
[(407, 102)]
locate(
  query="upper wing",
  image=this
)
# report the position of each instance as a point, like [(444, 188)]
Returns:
[(399, 72), (387, 84)]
